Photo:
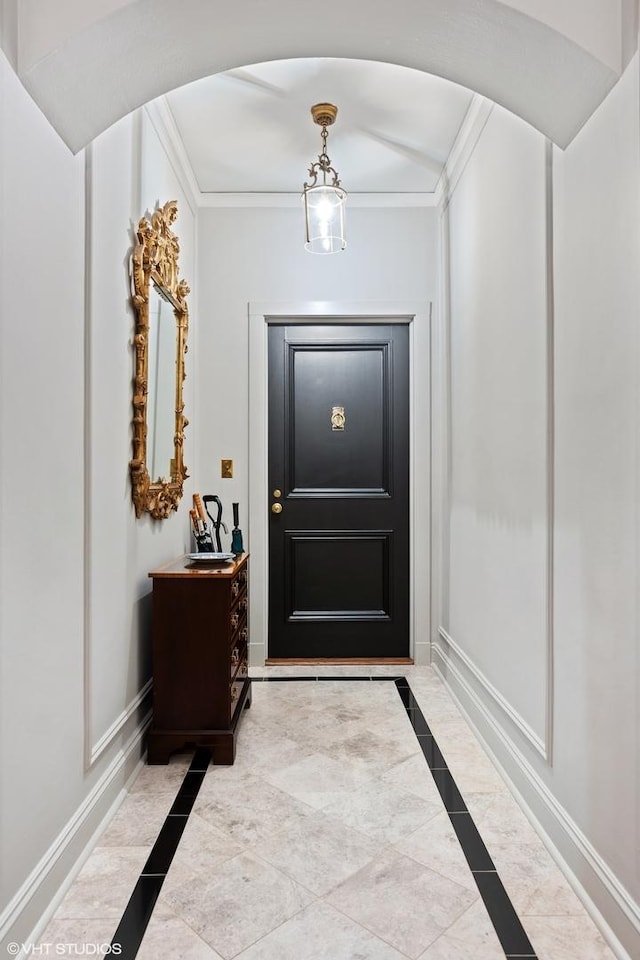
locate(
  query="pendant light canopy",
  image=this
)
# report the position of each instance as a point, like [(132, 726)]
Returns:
[(324, 199)]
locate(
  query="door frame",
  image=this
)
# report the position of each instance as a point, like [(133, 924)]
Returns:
[(418, 317)]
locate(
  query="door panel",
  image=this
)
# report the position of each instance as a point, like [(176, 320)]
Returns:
[(363, 592), (338, 454), (351, 458)]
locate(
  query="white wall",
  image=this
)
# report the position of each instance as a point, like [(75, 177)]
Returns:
[(130, 176), (256, 256), (598, 482), (581, 782), (41, 506), (496, 607), (248, 255), (67, 688)]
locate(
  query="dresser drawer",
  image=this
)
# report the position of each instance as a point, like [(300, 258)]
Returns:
[(239, 584), (238, 657), (235, 691)]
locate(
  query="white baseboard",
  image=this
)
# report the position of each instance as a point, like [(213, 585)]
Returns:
[(28, 913), (606, 900)]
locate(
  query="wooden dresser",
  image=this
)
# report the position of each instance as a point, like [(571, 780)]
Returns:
[(200, 671)]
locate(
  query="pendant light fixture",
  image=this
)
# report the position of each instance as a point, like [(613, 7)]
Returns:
[(324, 199)]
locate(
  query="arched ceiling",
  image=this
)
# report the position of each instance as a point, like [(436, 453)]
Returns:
[(101, 69), (250, 130)]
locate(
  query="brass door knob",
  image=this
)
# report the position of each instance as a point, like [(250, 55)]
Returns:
[(277, 493), (276, 508)]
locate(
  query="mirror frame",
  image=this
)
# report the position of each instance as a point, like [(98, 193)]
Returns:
[(155, 261)]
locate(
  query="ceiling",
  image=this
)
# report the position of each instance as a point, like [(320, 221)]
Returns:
[(250, 129)]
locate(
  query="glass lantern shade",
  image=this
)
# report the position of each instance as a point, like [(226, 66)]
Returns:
[(324, 218)]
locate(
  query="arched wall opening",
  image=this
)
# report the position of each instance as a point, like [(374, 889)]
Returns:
[(103, 69)]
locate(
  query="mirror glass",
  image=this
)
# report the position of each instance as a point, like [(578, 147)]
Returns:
[(161, 409)]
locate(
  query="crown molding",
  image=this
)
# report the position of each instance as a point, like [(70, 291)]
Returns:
[(295, 199), (163, 122), (465, 143)]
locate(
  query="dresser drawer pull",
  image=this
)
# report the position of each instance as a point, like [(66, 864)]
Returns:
[(235, 620), (235, 588), (235, 655), (244, 633), (244, 603), (235, 692), (243, 576)]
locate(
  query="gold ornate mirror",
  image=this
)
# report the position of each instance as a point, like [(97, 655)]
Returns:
[(162, 321)]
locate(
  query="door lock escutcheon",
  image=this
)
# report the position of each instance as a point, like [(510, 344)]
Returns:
[(277, 494)]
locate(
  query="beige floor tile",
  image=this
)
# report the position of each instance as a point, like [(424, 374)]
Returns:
[(566, 938), (413, 776), (265, 747), (402, 902), (499, 818), (319, 932), (314, 731), (450, 729), (534, 883), (472, 937), (471, 767), (169, 938), (436, 704), (383, 812), (243, 900), (103, 886), (318, 852), (249, 809), (375, 752), (319, 780), (436, 846), (75, 938), (162, 778), (203, 847), (138, 820)]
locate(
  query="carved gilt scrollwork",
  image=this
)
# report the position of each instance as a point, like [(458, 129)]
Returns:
[(155, 262)]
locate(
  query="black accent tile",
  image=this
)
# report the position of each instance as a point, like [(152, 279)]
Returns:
[(420, 726), (510, 931), (451, 796), (290, 679), (401, 682), (164, 848), (201, 760), (363, 679), (431, 752), (388, 679), (471, 842), (191, 783), (408, 698), (136, 917), (182, 806)]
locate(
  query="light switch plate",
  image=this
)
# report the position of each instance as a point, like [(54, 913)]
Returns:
[(226, 469)]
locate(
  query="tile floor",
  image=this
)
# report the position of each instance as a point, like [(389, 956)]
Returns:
[(338, 834)]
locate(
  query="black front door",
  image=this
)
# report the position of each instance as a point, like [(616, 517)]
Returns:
[(339, 488)]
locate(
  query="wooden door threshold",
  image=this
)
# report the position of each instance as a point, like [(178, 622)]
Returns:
[(316, 661)]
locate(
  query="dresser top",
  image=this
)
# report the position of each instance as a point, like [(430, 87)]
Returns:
[(183, 567)]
